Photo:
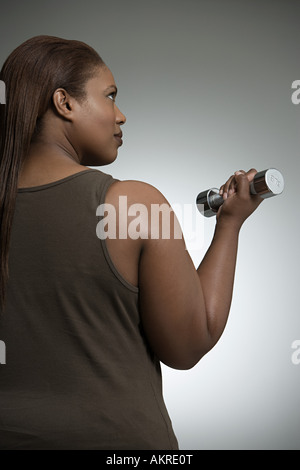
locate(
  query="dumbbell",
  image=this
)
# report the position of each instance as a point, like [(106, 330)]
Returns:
[(266, 183)]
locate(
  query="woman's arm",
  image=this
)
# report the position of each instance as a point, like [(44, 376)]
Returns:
[(184, 310), (217, 269)]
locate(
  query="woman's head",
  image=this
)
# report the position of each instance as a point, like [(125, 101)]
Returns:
[(50, 78), (89, 129), (38, 67)]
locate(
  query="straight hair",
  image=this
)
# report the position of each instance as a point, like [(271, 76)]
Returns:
[(31, 74)]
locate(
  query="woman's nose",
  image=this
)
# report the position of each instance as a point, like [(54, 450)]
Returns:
[(120, 117)]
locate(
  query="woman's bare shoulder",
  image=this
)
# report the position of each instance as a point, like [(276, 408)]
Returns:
[(136, 192)]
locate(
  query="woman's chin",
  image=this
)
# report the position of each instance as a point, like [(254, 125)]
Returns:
[(99, 160)]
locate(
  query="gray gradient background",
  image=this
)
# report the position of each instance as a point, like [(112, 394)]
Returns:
[(206, 88)]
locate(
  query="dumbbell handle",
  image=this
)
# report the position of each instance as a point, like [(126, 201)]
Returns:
[(266, 183)]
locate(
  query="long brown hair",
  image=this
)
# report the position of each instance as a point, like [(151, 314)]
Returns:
[(31, 73)]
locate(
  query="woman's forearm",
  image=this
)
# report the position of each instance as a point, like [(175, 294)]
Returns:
[(216, 273)]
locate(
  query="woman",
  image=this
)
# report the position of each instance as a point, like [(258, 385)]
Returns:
[(86, 318)]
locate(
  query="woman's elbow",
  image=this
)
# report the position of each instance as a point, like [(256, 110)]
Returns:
[(183, 361)]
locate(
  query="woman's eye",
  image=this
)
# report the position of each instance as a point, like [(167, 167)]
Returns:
[(112, 96)]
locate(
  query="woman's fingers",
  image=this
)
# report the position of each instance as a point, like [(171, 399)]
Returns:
[(239, 207), (229, 187), (250, 174)]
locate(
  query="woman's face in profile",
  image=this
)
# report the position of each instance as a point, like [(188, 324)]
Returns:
[(98, 121)]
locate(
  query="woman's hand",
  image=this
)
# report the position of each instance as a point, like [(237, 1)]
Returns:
[(239, 203)]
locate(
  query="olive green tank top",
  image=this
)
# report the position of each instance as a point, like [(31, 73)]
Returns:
[(79, 373)]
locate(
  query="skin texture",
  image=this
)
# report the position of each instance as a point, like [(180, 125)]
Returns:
[(183, 310)]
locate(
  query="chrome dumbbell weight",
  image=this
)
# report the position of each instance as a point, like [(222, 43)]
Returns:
[(266, 183)]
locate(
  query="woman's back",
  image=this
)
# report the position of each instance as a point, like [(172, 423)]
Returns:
[(77, 357)]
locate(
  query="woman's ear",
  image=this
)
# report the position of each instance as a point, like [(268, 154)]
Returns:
[(63, 103)]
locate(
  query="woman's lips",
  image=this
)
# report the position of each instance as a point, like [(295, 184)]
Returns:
[(118, 138)]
